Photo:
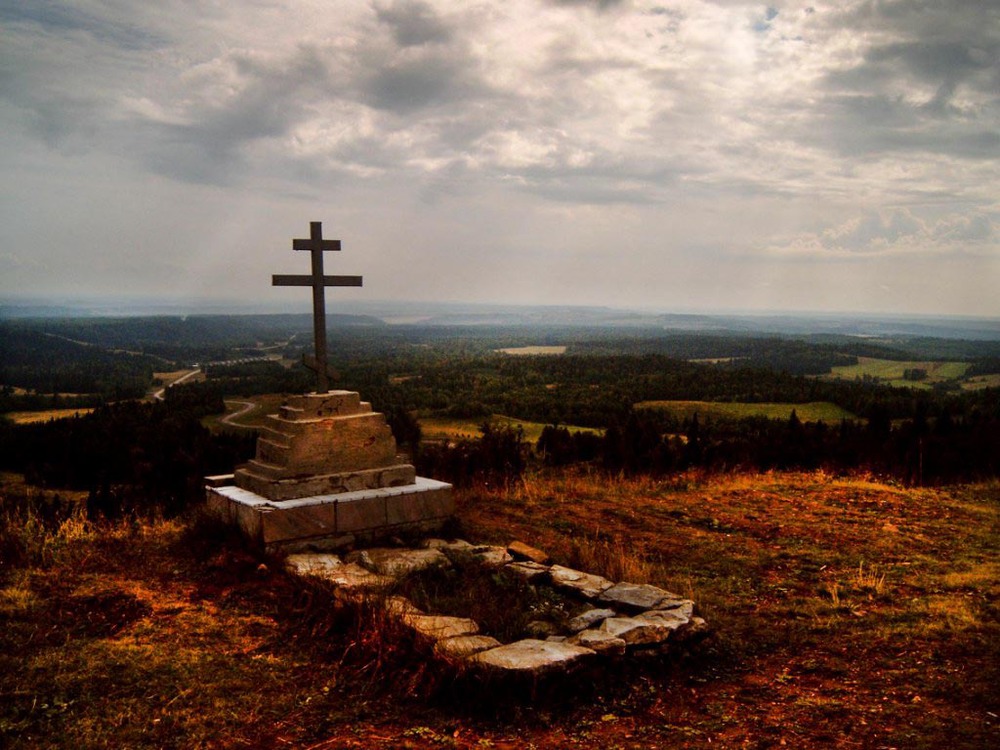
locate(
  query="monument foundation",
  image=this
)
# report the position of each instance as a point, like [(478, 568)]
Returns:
[(327, 475)]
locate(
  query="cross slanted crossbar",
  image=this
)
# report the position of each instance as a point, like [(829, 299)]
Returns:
[(316, 246)]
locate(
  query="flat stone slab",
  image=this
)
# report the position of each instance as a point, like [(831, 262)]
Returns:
[(587, 585), (639, 596), (636, 631), (532, 656), (400, 562)]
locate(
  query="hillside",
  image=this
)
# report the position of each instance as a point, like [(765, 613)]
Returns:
[(847, 612)]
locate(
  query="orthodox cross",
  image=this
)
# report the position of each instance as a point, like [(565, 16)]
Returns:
[(316, 245)]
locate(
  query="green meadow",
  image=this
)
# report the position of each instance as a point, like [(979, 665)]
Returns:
[(814, 411), (891, 372)]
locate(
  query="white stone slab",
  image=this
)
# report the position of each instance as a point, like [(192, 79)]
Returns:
[(532, 656)]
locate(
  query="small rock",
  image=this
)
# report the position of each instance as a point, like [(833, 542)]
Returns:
[(600, 642), (529, 571), (588, 618), (576, 581), (522, 551), (312, 564), (487, 555), (532, 656), (555, 639), (461, 646)]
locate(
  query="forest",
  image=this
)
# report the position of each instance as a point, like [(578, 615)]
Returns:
[(133, 449)]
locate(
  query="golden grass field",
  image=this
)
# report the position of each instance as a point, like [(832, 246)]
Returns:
[(447, 428)]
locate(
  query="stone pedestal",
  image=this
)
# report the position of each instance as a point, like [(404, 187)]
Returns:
[(325, 474)]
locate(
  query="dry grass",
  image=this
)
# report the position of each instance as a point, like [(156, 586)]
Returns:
[(847, 613), (45, 415)]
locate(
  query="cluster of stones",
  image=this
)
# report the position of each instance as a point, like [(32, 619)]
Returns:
[(617, 618)]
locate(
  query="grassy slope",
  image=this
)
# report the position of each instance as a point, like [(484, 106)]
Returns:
[(151, 636)]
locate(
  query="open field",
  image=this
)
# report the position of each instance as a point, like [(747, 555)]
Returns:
[(847, 613), (524, 350), (447, 428), (29, 417), (815, 411), (891, 371)]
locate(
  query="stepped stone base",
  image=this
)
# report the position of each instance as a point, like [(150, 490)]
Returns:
[(288, 488), (331, 520)]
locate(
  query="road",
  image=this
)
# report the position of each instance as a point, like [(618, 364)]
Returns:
[(186, 376), (228, 419)]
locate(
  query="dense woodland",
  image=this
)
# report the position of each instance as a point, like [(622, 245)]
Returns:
[(129, 451)]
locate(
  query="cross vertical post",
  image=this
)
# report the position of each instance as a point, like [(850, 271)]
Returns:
[(319, 306), (316, 246)]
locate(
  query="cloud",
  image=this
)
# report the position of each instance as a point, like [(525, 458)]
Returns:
[(413, 23), (898, 232), (820, 130)]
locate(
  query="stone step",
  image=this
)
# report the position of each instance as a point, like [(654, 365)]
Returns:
[(276, 436), (264, 470), (272, 452), (290, 412)]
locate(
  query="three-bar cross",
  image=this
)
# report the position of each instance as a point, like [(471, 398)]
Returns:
[(316, 245)]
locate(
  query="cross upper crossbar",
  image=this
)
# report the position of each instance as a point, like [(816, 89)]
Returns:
[(316, 246)]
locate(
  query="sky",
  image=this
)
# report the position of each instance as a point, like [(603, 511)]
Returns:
[(688, 155)]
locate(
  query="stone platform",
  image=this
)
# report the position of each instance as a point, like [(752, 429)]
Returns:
[(330, 521), (326, 475)]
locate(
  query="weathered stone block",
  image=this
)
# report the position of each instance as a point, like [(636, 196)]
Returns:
[(360, 513), (435, 502)]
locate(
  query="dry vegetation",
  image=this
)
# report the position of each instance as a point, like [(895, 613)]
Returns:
[(848, 613)]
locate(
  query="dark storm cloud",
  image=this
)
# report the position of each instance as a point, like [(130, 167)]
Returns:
[(928, 82), (413, 23)]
